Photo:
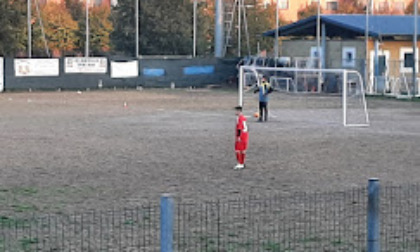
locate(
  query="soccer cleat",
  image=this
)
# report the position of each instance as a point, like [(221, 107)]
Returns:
[(238, 167)]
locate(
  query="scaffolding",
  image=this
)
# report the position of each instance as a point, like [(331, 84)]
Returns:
[(235, 15)]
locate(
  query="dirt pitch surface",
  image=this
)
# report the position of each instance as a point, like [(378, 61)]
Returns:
[(74, 151)]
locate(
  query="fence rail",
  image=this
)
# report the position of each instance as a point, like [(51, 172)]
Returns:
[(327, 221)]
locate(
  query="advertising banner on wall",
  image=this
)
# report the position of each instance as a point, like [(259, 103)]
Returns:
[(85, 65), (1, 74), (129, 69), (36, 67)]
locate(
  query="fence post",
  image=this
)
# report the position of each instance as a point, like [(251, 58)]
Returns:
[(373, 236), (166, 222)]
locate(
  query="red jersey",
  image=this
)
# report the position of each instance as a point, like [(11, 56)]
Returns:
[(243, 128)]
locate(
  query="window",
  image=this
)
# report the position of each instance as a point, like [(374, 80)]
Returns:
[(333, 5), (284, 4), (408, 60), (399, 6), (383, 6), (348, 56)]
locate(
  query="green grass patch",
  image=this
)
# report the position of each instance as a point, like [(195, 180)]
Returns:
[(337, 242), (129, 222), (311, 239), (19, 191), (26, 243), (6, 222), (272, 246), (20, 208)]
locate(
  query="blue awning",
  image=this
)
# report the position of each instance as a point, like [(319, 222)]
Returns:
[(351, 26)]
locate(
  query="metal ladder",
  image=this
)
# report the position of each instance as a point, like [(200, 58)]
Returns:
[(229, 17)]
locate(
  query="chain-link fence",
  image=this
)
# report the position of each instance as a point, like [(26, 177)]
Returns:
[(323, 221)]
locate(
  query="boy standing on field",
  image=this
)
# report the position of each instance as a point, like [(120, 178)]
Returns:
[(263, 90), (241, 138)]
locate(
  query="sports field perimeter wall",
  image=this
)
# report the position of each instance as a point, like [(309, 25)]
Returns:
[(153, 72)]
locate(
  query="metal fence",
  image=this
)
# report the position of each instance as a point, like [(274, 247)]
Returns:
[(301, 222), (135, 229), (328, 221)]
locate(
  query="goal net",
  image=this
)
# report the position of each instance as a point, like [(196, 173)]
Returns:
[(346, 84)]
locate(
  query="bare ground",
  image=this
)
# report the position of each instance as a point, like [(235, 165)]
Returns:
[(68, 151)]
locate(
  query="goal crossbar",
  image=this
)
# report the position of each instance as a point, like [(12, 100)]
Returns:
[(344, 72)]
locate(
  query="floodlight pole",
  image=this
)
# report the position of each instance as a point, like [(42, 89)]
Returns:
[(318, 42), (29, 17), (195, 29), (366, 44), (276, 46), (87, 29), (240, 2), (415, 49), (137, 29)]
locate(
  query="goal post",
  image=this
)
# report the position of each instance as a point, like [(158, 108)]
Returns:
[(347, 83)]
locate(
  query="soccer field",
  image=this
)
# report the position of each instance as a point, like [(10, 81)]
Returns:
[(67, 151)]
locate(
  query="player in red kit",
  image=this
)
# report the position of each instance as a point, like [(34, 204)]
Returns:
[(241, 138)]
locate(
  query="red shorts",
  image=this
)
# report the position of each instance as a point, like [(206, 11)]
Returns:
[(241, 146)]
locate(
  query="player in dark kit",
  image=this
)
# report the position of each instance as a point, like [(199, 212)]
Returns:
[(241, 138)]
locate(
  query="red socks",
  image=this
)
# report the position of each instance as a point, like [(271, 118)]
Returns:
[(240, 156)]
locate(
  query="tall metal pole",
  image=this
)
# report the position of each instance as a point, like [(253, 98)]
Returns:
[(195, 29), (87, 29), (240, 2), (219, 30), (29, 17), (137, 29), (415, 49), (366, 44), (318, 29), (276, 46), (318, 42)]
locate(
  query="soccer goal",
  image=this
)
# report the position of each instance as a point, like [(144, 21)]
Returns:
[(298, 81)]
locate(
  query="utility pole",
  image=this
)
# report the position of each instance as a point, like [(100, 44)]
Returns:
[(137, 29), (415, 49), (219, 30), (276, 46), (366, 44), (29, 17), (240, 3), (87, 29), (318, 43), (195, 29)]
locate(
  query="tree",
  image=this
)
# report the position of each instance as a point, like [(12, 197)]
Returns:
[(308, 11), (123, 21), (60, 28), (410, 8), (166, 28), (205, 28), (76, 9), (100, 29), (13, 29), (350, 7), (261, 19)]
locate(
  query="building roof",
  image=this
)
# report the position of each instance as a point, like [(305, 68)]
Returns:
[(351, 26)]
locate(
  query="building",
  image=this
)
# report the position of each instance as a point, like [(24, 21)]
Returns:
[(388, 53), (289, 8)]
